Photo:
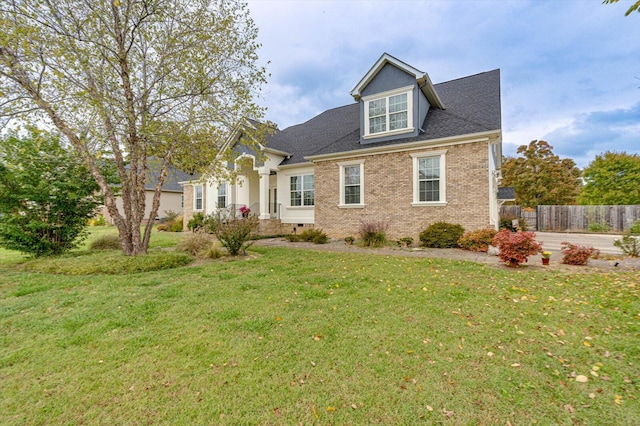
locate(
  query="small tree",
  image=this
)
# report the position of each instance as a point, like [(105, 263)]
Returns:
[(47, 195), (234, 233), (541, 177), (612, 178), (516, 247)]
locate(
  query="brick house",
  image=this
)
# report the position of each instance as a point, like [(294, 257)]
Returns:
[(407, 153)]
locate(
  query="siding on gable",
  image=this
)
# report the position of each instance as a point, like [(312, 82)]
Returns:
[(388, 193), (389, 78)]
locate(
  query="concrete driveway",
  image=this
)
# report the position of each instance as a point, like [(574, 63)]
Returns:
[(604, 242)]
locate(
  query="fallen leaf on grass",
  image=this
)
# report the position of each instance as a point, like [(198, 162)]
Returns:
[(618, 399), (429, 408), (582, 379), (569, 408), (317, 337), (330, 408)]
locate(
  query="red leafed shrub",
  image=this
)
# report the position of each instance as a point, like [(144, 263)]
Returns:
[(516, 247), (573, 254), (478, 240)]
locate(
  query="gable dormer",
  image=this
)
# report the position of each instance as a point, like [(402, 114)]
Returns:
[(394, 99)]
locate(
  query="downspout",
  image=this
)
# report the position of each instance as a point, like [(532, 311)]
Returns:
[(420, 129)]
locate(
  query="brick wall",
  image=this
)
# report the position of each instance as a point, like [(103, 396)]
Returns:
[(388, 193), (187, 210)]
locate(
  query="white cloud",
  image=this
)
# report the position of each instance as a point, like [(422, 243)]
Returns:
[(559, 61)]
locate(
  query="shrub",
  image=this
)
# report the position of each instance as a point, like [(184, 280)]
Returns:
[(106, 242), (441, 235), (214, 251), (405, 242), (373, 234), (170, 215), (176, 225), (598, 227), (195, 243), (235, 233), (293, 238), (97, 221), (349, 240), (629, 244), (507, 223), (47, 194), (162, 227), (635, 228), (478, 240), (516, 247), (309, 235), (321, 238), (573, 254), (196, 222)]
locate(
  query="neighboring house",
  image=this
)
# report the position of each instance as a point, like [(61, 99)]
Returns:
[(172, 197), (407, 153)]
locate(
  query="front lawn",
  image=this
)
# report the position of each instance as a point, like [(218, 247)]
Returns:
[(289, 336)]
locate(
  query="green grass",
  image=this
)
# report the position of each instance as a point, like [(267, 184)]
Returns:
[(294, 336)]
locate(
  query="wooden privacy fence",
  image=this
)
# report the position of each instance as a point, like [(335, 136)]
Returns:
[(576, 218)]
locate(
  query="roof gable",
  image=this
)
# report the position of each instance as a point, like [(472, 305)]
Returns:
[(422, 78)]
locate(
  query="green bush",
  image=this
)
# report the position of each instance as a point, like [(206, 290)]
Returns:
[(507, 223), (441, 235), (196, 222), (293, 238), (97, 221), (47, 194), (598, 227), (373, 234), (635, 228), (195, 243), (405, 242), (321, 238), (106, 242), (629, 244), (235, 233), (478, 240), (176, 225), (349, 240)]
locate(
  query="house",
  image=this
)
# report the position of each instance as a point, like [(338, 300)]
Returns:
[(406, 153), (171, 198)]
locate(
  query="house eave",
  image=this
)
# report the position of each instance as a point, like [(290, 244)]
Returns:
[(427, 143), (295, 166)]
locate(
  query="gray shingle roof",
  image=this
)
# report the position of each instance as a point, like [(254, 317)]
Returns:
[(472, 106), (171, 181)]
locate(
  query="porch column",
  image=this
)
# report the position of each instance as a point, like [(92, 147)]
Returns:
[(264, 192)]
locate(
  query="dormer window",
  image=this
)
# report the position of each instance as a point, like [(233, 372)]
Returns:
[(388, 113)]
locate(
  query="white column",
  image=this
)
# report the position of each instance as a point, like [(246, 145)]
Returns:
[(264, 192)]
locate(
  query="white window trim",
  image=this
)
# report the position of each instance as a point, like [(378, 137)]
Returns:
[(366, 99), (195, 198), (226, 195), (302, 206), (416, 156), (342, 165)]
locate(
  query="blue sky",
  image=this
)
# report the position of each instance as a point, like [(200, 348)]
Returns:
[(570, 69)]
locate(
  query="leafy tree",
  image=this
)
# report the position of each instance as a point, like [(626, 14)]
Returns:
[(133, 79), (540, 177), (47, 194), (612, 179), (635, 6)]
